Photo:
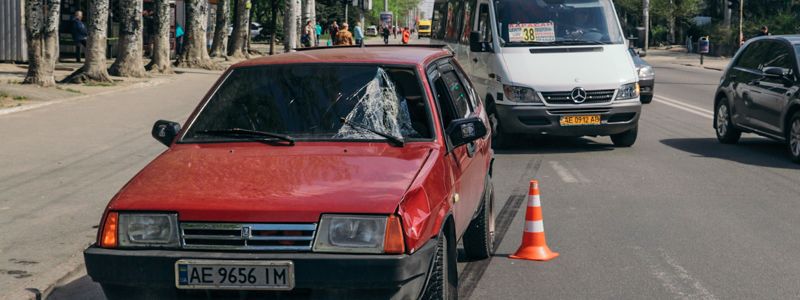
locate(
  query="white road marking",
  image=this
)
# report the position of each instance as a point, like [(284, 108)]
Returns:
[(562, 172), (674, 277), (685, 107), (708, 111)]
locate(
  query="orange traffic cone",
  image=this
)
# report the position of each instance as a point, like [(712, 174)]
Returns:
[(534, 246)]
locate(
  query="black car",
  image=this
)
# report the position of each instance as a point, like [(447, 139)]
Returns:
[(759, 93), (647, 77)]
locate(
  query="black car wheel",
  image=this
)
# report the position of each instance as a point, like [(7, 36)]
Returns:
[(500, 138), (443, 277), (479, 237), (726, 132), (627, 138), (794, 137), (646, 99)]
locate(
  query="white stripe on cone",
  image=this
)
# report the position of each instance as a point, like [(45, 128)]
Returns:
[(534, 201), (534, 226)]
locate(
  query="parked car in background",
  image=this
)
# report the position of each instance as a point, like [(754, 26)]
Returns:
[(372, 30), (342, 173), (647, 77), (759, 93), (255, 30)]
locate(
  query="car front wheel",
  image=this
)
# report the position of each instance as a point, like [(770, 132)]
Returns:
[(443, 277), (646, 99), (794, 137), (627, 138), (479, 237), (726, 132)]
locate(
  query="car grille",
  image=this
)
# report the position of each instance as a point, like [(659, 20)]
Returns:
[(592, 97), (259, 237)]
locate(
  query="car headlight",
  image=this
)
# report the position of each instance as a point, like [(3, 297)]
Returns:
[(359, 234), (628, 91), (646, 73), (521, 94), (148, 230)]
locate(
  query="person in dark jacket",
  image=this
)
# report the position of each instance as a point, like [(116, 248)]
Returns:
[(79, 34), (764, 31)]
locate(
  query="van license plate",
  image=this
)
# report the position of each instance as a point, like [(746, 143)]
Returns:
[(234, 275), (580, 120)]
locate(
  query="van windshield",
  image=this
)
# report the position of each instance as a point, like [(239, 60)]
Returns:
[(557, 22)]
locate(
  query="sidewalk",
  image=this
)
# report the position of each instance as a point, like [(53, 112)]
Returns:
[(678, 56)]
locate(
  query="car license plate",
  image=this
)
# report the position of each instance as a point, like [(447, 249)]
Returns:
[(234, 275), (580, 120)]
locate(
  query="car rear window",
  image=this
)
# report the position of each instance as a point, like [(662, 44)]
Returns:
[(309, 102)]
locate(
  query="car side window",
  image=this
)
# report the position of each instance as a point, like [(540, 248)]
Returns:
[(753, 56), (458, 94), (780, 56), (445, 102), (471, 94), (483, 23)]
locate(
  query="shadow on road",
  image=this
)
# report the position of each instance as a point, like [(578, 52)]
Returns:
[(81, 288), (551, 145), (759, 152)]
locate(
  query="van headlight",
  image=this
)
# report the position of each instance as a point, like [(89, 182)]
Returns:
[(521, 94), (359, 234), (646, 73), (628, 91), (148, 230)]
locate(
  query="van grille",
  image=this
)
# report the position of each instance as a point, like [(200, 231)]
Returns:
[(259, 237), (592, 97)]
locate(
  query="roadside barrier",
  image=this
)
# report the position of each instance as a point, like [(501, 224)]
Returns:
[(534, 245)]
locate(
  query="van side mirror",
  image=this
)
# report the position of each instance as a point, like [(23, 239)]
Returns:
[(476, 45), (165, 131), (465, 131)]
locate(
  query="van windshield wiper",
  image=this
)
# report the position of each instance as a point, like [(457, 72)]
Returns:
[(556, 43), (392, 139), (251, 133)]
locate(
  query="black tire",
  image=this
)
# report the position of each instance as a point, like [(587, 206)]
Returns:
[(500, 138), (727, 133), (793, 137), (443, 277), (479, 238), (646, 99), (625, 139)]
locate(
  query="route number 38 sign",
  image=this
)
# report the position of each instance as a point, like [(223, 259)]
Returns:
[(531, 32)]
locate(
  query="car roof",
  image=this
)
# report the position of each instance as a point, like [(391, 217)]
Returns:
[(793, 39), (400, 55)]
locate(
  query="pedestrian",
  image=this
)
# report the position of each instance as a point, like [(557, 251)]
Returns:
[(79, 34), (764, 31), (333, 30), (343, 36), (358, 34), (394, 31), (178, 39), (386, 34), (406, 35), (305, 38), (318, 31)]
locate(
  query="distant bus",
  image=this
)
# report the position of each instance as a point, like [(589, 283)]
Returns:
[(424, 28)]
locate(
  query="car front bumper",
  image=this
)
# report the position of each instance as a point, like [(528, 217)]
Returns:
[(545, 120), (318, 275)]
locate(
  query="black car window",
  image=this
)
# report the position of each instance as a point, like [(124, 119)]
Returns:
[(458, 92), (753, 56), (446, 109), (308, 102), (483, 23), (778, 55)]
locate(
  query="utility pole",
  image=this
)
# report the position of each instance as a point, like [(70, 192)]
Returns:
[(741, 17), (646, 25), (385, 5)]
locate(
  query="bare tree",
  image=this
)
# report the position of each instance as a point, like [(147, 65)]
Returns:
[(240, 28), (194, 53), (290, 25), (273, 26), (221, 31), (129, 55), (41, 26), (94, 68), (160, 62)]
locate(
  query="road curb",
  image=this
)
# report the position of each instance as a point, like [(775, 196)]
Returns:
[(150, 83)]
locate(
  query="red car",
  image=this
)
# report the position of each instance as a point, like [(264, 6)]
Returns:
[(336, 173)]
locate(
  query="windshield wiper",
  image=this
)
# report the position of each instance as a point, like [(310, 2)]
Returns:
[(392, 139), (556, 43), (251, 133)]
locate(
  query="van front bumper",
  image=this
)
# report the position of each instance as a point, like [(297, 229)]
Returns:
[(319, 275), (546, 120)]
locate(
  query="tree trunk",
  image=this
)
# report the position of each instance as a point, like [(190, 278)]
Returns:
[(273, 26), (221, 32), (94, 68), (194, 53), (41, 25), (129, 56), (161, 62), (671, 26), (290, 26), (240, 29), (646, 24)]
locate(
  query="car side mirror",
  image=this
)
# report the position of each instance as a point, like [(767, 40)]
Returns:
[(465, 131), (165, 131), (476, 45), (778, 73)]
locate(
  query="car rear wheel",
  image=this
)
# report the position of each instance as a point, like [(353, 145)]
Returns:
[(479, 237), (726, 132), (627, 138), (646, 99), (794, 137), (443, 278)]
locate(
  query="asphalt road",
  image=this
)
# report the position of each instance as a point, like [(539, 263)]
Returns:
[(676, 216)]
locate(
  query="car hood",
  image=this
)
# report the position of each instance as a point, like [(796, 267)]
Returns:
[(559, 70), (251, 182)]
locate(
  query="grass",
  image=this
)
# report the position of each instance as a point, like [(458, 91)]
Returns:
[(3, 94), (20, 98), (98, 84), (71, 90)]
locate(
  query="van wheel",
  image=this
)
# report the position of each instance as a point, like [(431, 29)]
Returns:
[(625, 139), (646, 99), (443, 278), (500, 139), (726, 132), (479, 237), (794, 137)]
